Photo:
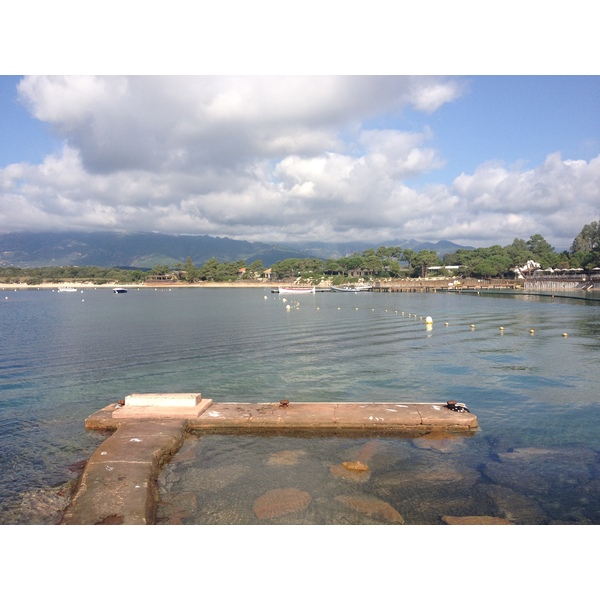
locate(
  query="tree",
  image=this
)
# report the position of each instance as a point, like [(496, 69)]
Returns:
[(160, 269), (373, 264), (588, 238), (519, 252), (347, 263), (409, 255), (288, 267), (332, 266), (255, 269), (539, 246), (209, 269), (543, 252), (425, 259), (586, 246), (192, 273)]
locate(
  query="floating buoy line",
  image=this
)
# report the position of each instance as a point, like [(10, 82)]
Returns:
[(428, 320)]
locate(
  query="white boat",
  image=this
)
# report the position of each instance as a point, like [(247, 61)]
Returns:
[(67, 289), (296, 290), (348, 288), (119, 290)]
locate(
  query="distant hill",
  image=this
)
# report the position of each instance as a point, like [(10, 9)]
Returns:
[(141, 250), (145, 250), (338, 250)]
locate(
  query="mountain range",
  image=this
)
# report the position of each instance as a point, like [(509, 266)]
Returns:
[(145, 250)]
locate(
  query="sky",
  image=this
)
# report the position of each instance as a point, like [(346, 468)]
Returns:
[(478, 159)]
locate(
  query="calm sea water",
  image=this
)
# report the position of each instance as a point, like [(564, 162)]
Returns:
[(535, 459)]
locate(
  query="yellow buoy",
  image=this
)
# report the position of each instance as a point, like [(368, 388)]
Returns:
[(446, 324), (532, 331), (429, 320), (501, 328), (565, 334)]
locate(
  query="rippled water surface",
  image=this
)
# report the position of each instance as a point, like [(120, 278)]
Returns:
[(535, 458)]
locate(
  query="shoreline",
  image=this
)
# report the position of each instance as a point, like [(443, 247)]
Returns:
[(86, 285)]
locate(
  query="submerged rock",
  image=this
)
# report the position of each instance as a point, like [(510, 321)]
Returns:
[(427, 478), (518, 508), (42, 506), (286, 457), (369, 450), (372, 507), (381, 454), (342, 471), (211, 479), (543, 471), (356, 466), (529, 454), (280, 502), (475, 520), (522, 480), (441, 441)]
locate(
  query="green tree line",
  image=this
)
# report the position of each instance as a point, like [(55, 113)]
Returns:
[(385, 261), (96, 275)]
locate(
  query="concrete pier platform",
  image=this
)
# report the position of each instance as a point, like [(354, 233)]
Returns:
[(287, 417), (118, 484)]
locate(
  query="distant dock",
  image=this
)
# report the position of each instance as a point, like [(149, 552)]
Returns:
[(443, 285)]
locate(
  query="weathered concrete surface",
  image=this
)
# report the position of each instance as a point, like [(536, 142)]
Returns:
[(319, 417), (118, 484)]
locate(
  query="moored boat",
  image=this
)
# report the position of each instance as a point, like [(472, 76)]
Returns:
[(296, 290), (119, 290), (67, 288)]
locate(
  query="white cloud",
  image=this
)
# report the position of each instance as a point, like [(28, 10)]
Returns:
[(275, 159), (556, 199)]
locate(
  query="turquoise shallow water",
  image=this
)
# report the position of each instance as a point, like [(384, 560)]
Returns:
[(535, 458)]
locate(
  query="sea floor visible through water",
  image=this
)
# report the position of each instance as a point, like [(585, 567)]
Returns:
[(438, 478)]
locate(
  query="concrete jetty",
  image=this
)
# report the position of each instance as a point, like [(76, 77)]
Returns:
[(118, 484)]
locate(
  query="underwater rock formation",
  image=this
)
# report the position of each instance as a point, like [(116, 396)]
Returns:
[(281, 502)]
